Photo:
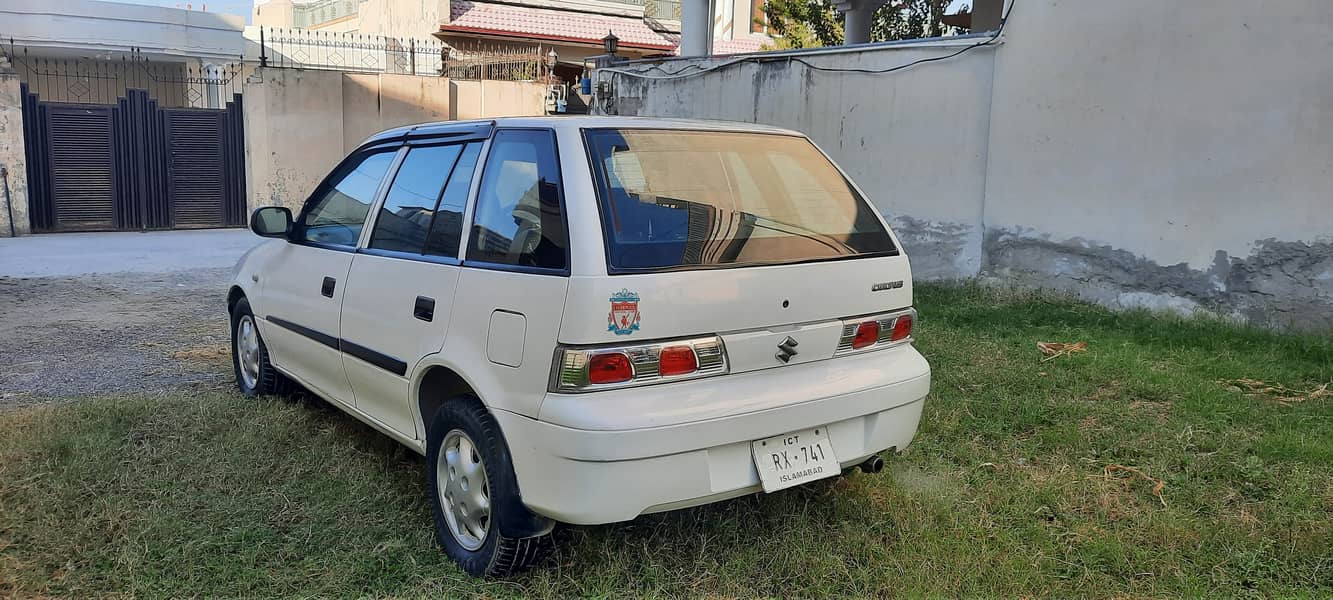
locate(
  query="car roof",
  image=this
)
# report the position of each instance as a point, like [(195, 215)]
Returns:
[(581, 122)]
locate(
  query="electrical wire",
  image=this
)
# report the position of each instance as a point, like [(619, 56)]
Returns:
[(695, 70)]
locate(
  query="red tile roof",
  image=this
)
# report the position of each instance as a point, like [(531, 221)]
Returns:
[(529, 22), (743, 45), (550, 24)]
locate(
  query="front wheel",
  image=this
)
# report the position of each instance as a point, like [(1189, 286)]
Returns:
[(255, 375), (480, 520)]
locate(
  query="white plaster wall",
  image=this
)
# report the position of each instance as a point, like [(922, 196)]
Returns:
[(473, 99), (402, 18), (374, 102), (93, 28), (293, 133), (1138, 153), (300, 123), (1171, 130), (915, 140)]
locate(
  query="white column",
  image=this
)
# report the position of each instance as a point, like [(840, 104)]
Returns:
[(856, 25), (696, 20), (858, 15), (212, 83)]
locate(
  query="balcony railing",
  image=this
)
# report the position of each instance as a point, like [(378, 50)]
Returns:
[(314, 13), (661, 10), (668, 10)]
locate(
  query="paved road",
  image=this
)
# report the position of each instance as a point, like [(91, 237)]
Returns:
[(101, 313), (73, 254)]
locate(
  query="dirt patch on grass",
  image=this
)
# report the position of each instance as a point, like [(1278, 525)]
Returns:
[(210, 356)]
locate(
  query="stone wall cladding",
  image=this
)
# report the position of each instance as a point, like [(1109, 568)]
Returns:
[(1286, 285)]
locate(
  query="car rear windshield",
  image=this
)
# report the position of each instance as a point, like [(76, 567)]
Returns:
[(675, 199)]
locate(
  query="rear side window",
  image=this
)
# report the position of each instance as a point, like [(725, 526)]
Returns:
[(518, 219), (337, 215), (446, 231), (687, 199), (409, 207), (423, 210)]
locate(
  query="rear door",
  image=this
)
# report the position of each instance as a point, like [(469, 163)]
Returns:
[(515, 271), (303, 284), (754, 236), (401, 287)]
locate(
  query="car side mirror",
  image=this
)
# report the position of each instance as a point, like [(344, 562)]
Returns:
[(271, 221)]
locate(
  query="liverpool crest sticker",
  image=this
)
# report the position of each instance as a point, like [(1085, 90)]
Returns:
[(624, 316)]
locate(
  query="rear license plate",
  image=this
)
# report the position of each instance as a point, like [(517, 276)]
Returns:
[(794, 458)]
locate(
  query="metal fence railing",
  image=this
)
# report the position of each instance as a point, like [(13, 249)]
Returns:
[(304, 49), (323, 11), (105, 81), (496, 63)]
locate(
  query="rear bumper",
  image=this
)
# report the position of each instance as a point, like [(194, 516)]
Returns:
[(592, 476)]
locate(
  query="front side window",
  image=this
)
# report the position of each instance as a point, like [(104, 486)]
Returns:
[(410, 206), (693, 199), (337, 215), (518, 218)]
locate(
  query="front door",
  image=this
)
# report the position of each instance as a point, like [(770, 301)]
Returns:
[(400, 291), (303, 295)]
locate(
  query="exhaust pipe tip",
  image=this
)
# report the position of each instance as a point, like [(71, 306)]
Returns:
[(872, 465)]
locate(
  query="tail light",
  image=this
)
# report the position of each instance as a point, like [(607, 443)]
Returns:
[(876, 331), (591, 369), (677, 360), (612, 367), (867, 333), (902, 328)]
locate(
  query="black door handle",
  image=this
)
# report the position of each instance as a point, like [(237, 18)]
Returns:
[(327, 288), (425, 309)]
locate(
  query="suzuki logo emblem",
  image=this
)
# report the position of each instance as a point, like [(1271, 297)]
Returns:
[(786, 350)]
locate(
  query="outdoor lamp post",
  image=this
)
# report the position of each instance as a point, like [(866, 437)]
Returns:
[(610, 43), (551, 57)]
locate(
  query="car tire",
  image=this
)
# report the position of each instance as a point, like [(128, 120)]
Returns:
[(511, 537), (255, 375)]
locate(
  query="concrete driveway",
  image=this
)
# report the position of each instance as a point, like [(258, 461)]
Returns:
[(110, 313), (74, 254)]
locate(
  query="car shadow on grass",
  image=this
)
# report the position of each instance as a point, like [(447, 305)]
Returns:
[(754, 536)]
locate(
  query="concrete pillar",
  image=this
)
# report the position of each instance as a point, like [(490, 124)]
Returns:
[(12, 159), (986, 15), (856, 25), (696, 26), (858, 15)]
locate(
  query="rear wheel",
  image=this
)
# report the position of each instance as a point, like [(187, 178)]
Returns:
[(255, 375), (480, 521)]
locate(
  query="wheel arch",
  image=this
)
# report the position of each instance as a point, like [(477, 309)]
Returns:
[(436, 384), (234, 295)]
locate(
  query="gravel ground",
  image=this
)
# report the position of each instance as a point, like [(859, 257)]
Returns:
[(112, 333)]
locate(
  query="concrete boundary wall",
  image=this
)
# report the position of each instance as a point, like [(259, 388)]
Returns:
[(300, 123), (12, 157), (1137, 153)]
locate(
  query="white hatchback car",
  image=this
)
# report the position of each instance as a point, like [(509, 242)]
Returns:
[(583, 320)]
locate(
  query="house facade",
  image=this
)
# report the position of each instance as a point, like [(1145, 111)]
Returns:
[(572, 28), (121, 116)]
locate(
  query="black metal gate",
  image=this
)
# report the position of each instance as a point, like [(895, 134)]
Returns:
[(120, 158)]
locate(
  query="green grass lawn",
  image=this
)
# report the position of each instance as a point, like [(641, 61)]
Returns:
[(1005, 491)]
